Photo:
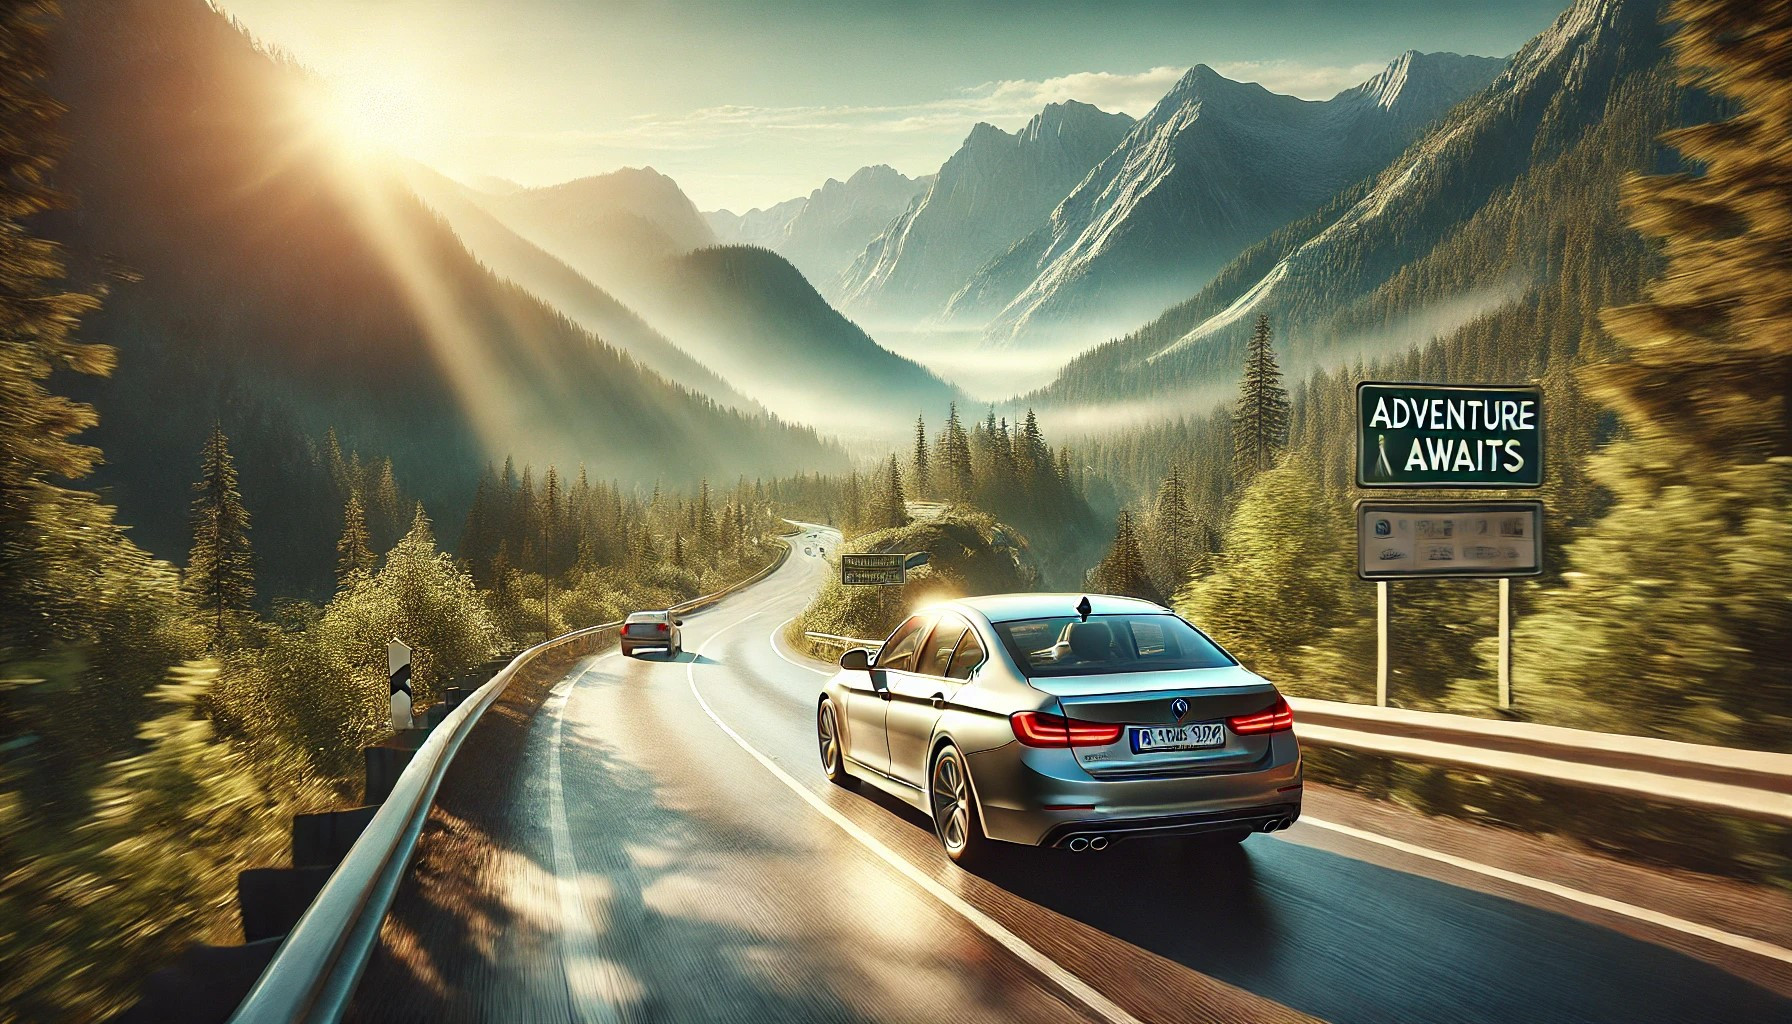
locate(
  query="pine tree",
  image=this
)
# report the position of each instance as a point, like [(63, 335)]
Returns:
[(1260, 424), (1708, 352), (354, 559), (1123, 572), (333, 464), (38, 314), (220, 571), (892, 505), (956, 458), (923, 486), (1170, 531), (1034, 458), (853, 514), (1654, 635), (704, 518), (388, 507), (553, 533)]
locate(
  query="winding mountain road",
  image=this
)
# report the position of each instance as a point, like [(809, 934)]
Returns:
[(656, 842)]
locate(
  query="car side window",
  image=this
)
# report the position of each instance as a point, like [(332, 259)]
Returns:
[(967, 657), (898, 652), (936, 655)]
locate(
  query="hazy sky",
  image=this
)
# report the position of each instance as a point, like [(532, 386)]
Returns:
[(749, 102)]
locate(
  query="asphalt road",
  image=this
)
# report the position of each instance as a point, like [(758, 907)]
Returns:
[(657, 843)]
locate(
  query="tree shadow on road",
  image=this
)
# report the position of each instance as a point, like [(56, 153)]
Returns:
[(479, 929)]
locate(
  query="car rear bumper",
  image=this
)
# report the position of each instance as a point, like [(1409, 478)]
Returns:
[(1044, 798), (1271, 818)]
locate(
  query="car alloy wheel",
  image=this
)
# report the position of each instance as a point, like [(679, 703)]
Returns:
[(955, 811), (827, 737)]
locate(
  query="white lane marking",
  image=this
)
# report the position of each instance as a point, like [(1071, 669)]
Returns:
[(1058, 975), (779, 651), (594, 983), (1654, 917)]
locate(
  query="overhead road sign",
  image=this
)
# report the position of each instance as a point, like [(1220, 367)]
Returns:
[(873, 569), (1437, 435), (1406, 539)]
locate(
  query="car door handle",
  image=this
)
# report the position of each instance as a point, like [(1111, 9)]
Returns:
[(939, 701)]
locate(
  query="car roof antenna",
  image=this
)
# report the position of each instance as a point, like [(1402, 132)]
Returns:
[(1083, 608)]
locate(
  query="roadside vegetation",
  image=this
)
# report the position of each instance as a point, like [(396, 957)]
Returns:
[(969, 553), (160, 723)]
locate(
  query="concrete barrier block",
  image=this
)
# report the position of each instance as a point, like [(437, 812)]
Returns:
[(322, 840), (384, 764), (204, 986), (273, 899)]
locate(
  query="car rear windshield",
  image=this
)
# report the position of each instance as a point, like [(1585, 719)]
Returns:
[(1069, 646), (647, 617)]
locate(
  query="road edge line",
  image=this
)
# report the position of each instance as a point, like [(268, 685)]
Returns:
[(1748, 944), (1050, 969), (577, 929)]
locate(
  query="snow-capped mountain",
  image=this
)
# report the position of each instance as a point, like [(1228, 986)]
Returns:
[(989, 194), (1215, 166), (822, 232), (1479, 212)]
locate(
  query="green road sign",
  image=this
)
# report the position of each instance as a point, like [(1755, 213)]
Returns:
[(1404, 539), (1436, 435), (876, 569)]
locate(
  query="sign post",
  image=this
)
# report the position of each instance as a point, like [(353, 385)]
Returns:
[(1433, 436), (1381, 643), (398, 673), (874, 569), (1505, 643)]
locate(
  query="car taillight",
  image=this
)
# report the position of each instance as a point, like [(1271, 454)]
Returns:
[(1275, 718), (1041, 729), (665, 627)]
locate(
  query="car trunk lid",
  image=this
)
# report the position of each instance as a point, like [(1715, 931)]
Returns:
[(1146, 703)]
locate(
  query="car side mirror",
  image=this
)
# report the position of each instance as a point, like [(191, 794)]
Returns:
[(678, 622), (856, 660)]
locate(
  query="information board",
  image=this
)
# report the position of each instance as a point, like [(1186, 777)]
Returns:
[(875, 569), (1436, 435), (1404, 539)]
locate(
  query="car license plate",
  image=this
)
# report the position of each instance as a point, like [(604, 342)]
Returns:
[(1149, 739)]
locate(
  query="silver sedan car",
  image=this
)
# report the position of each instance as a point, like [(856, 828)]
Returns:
[(661, 630), (1062, 720)]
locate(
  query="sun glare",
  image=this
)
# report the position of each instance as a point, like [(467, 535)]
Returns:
[(369, 113)]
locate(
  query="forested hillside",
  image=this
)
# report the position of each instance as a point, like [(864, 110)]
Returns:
[(1502, 222), (753, 318), (511, 256), (1665, 311), (261, 274)]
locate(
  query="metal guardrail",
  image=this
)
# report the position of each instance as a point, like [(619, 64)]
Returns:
[(843, 642), (313, 975), (1750, 783)]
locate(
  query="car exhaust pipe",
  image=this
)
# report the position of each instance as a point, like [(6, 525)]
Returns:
[(1078, 845), (1099, 843)]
